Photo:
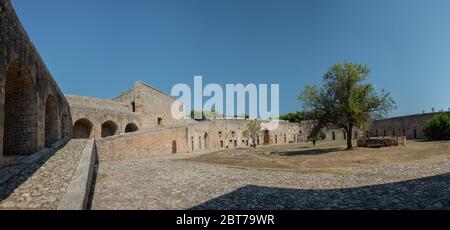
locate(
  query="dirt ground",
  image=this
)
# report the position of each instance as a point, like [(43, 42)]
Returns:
[(328, 157)]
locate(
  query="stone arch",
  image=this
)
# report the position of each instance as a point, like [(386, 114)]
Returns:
[(174, 147), (51, 121), (82, 129), (20, 111), (109, 128), (131, 128)]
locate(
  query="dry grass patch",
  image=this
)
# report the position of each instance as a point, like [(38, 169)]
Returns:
[(326, 157)]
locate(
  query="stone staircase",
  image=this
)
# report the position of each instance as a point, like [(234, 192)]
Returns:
[(40, 180)]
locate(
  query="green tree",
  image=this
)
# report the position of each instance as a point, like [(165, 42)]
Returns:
[(253, 131), (345, 100), (438, 127), (296, 117), (314, 137), (322, 136)]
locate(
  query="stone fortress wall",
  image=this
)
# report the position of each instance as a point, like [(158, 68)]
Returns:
[(34, 113), (97, 118), (410, 126)]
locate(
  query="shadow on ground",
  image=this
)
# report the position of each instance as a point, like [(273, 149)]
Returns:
[(311, 152), (432, 193), (9, 186)]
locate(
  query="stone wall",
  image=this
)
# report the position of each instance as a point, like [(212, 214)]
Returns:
[(154, 105), (411, 126), (195, 137), (33, 111), (143, 144), (97, 118)]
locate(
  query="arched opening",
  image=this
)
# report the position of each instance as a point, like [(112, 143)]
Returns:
[(131, 128), (266, 137), (160, 121), (20, 111), (109, 129), (174, 147), (51, 121), (206, 141), (192, 144), (82, 129), (133, 106)]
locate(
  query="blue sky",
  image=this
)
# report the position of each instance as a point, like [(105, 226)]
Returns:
[(100, 47)]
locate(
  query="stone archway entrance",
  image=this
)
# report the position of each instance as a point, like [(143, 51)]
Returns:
[(20, 111), (82, 129), (174, 147), (266, 137), (109, 128), (51, 121), (206, 141), (131, 128)]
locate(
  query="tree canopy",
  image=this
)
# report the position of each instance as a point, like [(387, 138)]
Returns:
[(345, 100), (252, 131), (296, 117), (438, 127)]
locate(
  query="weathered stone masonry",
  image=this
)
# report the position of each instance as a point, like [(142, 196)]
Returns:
[(411, 126), (35, 114), (33, 111)]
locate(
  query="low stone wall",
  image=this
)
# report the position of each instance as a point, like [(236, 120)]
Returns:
[(77, 194), (143, 144), (382, 142)]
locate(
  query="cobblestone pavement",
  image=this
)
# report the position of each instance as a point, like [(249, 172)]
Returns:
[(42, 184), (166, 183)]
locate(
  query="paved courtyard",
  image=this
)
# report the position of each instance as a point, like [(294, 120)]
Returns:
[(172, 183)]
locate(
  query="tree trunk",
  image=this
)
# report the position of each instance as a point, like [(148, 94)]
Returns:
[(349, 138)]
